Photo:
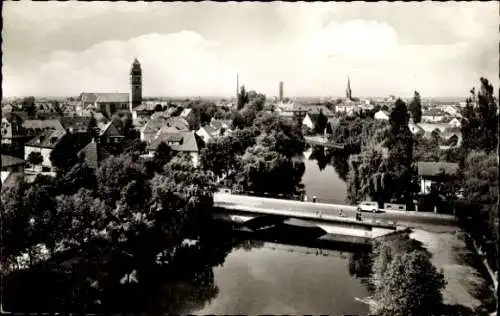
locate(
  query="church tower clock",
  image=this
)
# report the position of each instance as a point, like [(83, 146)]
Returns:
[(135, 84)]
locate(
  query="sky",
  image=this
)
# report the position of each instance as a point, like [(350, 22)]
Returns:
[(440, 49)]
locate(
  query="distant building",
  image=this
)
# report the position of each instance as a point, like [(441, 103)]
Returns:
[(135, 84), (281, 91), (348, 92), (434, 116), (110, 103), (382, 115)]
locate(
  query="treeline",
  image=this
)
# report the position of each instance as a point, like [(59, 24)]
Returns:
[(384, 170), (261, 154), (126, 218)]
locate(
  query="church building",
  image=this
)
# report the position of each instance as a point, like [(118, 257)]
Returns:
[(109, 103)]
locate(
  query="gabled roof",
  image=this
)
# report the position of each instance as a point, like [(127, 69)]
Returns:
[(76, 122), (210, 130), (109, 130), (154, 125), (104, 97), (217, 124), (185, 113), (94, 154), (166, 129), (99, 117), (10, 161), (43, 124), (47, 139), (429, 169), (185, 141), (178, 122)]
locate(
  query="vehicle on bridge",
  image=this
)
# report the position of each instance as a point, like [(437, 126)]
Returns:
[(368, 206)]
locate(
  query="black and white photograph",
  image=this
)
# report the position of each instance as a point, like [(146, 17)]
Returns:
[(250, 158)]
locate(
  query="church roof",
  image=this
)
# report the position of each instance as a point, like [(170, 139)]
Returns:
[(117, 97)]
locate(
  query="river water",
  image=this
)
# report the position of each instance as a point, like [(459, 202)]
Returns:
[(291, 281), (221, 277), (285, 281)]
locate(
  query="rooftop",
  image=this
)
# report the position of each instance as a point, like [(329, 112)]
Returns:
[(10, 161), (431, 169)]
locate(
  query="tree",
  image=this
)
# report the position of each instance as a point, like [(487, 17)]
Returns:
[(400, 145), (242, 98), (158, 108), (411, 286), (218, 156), (404, 280), (162, 155), (80, 176), (116, 173), (35, 158), (415, 108), (64, 155), (28, 105), (92, 128), (480, 123), (321, 123)]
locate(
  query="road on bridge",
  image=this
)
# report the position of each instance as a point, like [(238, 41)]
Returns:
[(332, 209)]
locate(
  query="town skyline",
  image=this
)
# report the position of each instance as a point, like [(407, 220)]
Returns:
[(312, 48)]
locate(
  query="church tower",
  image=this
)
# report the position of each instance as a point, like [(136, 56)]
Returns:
[(135, 84), (348, 92)]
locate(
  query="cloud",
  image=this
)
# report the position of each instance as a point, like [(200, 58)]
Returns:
[(172, 64), (435, 49)]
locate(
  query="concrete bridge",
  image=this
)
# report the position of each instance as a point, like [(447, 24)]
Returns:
[(256, 212)]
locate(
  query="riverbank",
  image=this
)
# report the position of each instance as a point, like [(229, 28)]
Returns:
[(466, 286)]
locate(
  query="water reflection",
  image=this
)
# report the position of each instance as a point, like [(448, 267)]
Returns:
[(221, 272), (326, 174)]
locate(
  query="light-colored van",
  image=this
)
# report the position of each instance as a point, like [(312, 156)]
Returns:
[(368, 207)]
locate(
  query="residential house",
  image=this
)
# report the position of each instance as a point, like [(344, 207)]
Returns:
[(109, 133), (345, 108), (192, 117), (180, 123), (33, 128), (382, 115), (430, 173), (220, 124), (291, 111), (182, 141), (207, 133), (76, 125), (311, 120), (12, 128), (415, 129), (455, 122), (107, 103), (44, 144), (150, 129), (451, 110), (10, 167), (434, 116), (93, 154)]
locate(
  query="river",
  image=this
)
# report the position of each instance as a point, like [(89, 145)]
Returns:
[(221, 276), (285, 281), (321, 177)]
